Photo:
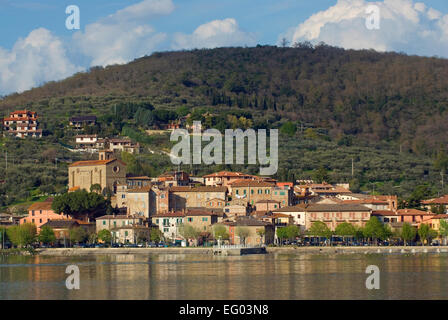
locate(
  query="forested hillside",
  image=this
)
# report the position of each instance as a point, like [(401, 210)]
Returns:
[(386, 111)]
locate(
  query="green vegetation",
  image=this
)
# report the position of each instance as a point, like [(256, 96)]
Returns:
[(383, 111), (189, 232), (289, 232), (242, 233), (105, 236), (375, 230), (220, 232), (46, 235), (22, 235), (78, 235), (81, 203), (407, 233), (426, 233)]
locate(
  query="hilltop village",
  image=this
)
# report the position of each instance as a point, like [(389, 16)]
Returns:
[(226, 207)]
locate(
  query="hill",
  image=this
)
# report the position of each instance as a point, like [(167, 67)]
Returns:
[(387, 111)]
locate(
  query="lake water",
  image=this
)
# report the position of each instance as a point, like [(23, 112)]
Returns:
[(202, 277)]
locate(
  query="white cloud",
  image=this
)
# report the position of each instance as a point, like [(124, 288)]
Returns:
[(217, 33), (405, 25), (38, 58), (124, 35)]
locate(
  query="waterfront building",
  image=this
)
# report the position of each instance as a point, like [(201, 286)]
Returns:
[(108, 172), (39, 213)]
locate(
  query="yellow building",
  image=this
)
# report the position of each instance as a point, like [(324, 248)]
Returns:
[(108, 172)]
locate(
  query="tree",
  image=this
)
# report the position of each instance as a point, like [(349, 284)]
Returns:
[(407, 233), (426, 233), (46, 235), (23, 235), (374, 229), (443, 229), (220, 232), (105, 235), (188, 232), (288, 128), (78, 234), (420, 192), (345, 229), (242, 233), (155, 235), (320, 229), (320, 175), (281, 234), (80, 203)]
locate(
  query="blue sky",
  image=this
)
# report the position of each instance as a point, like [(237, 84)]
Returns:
[(36, 47)]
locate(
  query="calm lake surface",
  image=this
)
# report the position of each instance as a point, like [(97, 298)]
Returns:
[(204, 277)]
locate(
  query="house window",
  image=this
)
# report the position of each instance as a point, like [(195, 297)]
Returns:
[(190, 219), (282, 193), (125, 233), (237, 191), (260, 191), (244, 191), (104, 222), (165, 229), (157, 221), (266, 191), (252, 191), (32, 213), (204, 219)]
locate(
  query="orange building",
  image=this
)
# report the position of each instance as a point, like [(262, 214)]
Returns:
[(40, 213), (22, 123)]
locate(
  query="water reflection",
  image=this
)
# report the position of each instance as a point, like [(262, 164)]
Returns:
[(273, 276)]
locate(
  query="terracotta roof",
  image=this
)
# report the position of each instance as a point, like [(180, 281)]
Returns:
[(94, 163), (75, 188), (169, 215), (61, 224), (366, 201), (198, 189), (227, 174), (439, 216), (413, 212), (297, 208), (337, 207), (45, 205), (441, 200), (251, 183)]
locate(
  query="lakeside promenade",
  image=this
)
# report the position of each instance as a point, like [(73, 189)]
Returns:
[(270, 250)]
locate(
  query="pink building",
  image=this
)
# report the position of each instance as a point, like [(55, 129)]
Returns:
[(40, 213)]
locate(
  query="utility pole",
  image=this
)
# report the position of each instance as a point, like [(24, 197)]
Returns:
[(352, 168), (441, 174)]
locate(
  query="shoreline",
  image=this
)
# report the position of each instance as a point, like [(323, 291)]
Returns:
[(270, 250)]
